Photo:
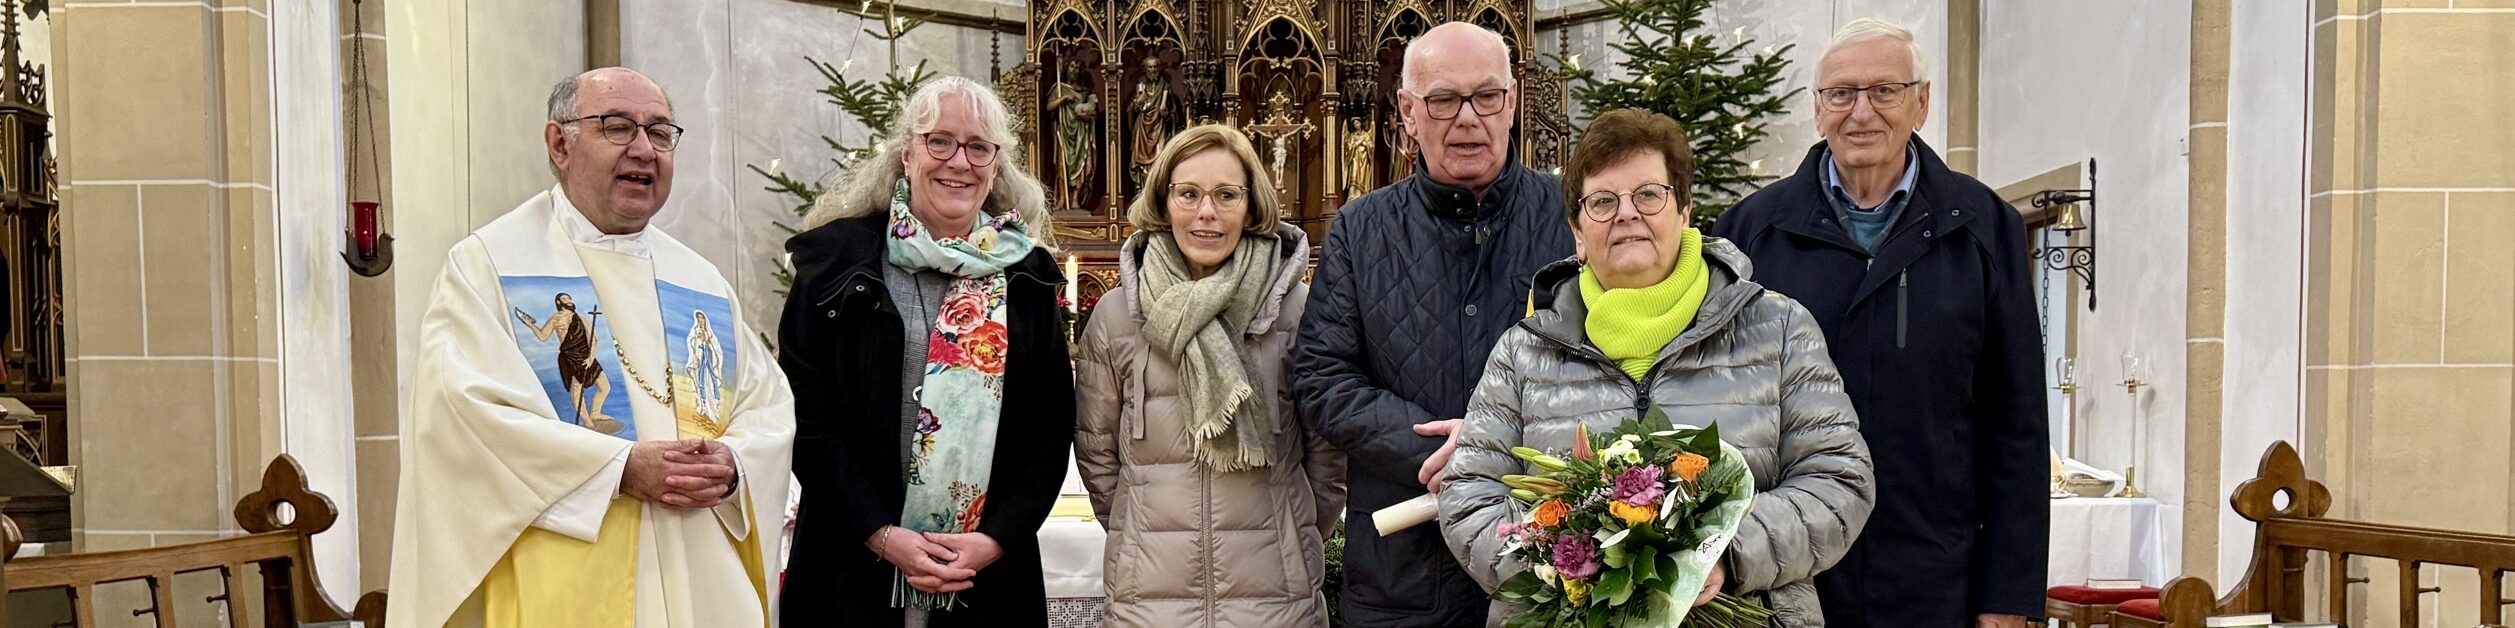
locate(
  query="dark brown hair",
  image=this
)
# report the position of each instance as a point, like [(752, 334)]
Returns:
[(1619, 135)]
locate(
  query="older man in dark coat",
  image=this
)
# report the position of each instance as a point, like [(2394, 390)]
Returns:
[(1416, 282), (1919, 277)]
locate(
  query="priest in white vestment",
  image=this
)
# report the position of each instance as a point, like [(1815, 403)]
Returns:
[(595, 438)]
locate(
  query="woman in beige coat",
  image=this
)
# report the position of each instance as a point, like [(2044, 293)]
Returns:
[(1215, 495)]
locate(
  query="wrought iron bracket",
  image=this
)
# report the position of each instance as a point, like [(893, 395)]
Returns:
[(2079, 260)]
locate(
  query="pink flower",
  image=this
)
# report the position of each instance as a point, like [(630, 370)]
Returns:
[(1576, 557), (962, 313), (1638, 486)]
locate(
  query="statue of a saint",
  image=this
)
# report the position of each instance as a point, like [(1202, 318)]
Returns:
[(1152, 112), (1358, 142), (1076, 112)]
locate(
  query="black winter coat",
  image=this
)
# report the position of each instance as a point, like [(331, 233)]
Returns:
[(840, 343), (1939, 345), (1416, 282)]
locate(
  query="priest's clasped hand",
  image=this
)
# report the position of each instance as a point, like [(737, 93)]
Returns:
[(693, 473)]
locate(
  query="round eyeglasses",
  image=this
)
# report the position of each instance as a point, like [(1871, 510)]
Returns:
[(620, 130), (1649, 199)]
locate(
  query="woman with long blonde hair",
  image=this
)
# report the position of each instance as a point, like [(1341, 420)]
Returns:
[(933, 394)]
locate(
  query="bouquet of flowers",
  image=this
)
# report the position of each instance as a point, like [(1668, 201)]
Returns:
[(1626, 531)]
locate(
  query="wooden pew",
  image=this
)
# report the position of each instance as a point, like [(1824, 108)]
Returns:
[(279, 543), (2286, 535)]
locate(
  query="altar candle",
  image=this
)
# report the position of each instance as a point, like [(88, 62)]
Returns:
[(1073, 272)]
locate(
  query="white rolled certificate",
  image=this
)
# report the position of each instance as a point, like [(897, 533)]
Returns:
[(1406, 514)]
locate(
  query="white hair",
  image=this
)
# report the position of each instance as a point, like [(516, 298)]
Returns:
[(867, 187), (1406, 67), (1869, 28)]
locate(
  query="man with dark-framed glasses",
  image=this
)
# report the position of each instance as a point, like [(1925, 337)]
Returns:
[(1416, 282), (1919, 277), (527, 499)]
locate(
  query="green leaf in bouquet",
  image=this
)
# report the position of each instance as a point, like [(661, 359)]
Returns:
[(1597, 617), (1646, 564), (1666, 564), (1706, 442), (1655, 420), (1528, 620), (1724, 472), (1615, 587), (1526, 587), (1615, 557), (1649, 535)]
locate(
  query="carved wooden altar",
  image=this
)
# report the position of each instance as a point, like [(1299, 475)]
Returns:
[(1312, 82), (31, 226)]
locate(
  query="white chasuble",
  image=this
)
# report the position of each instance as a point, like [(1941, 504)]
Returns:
[(548, 348)]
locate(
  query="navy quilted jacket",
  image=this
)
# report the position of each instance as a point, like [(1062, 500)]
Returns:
[(1416, 282)]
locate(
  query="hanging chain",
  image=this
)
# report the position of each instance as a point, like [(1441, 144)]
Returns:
[(365, 116), (2043, 309)]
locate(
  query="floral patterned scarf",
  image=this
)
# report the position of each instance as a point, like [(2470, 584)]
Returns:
[(963, 392)]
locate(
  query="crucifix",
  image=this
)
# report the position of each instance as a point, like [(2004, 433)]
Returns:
[(1282, 125)]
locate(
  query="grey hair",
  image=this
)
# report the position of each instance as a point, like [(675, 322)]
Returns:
[(866, 188), (1406, 68), (1869, 28), (563, 104), (563, 107)]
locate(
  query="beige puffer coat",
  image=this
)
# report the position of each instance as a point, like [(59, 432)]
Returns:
[(1189, 547)]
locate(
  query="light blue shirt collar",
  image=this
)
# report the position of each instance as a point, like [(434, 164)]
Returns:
[(1903, 189)]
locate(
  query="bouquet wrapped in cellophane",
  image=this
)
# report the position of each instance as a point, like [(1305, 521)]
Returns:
[(1626, 530)]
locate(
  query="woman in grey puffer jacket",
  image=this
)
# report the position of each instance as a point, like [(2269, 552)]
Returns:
[(1613, 338)]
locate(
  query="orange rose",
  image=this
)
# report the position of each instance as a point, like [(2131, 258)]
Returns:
[(986, 347), (1551, 513), (1689, 466)]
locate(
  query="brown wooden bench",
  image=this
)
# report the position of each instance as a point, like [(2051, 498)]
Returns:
[(2287, 511), (281, 520)]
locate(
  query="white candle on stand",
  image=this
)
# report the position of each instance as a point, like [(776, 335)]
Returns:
[(1073, 275)]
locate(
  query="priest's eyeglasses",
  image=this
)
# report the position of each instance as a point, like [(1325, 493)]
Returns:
[(1445, 105), (939, 146), (1188, 197), (1881, 96), (1650, 199), (621, 130)]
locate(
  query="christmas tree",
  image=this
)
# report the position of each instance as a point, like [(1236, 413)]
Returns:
[(1723, 96), (873, 102)]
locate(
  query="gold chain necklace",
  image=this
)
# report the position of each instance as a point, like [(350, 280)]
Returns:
[(659, 397)]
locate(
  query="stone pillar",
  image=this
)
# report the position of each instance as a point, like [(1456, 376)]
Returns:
[(201, 185), (2412, 283), (2205, 287)]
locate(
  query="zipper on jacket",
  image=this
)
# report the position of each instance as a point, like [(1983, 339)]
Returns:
[(1206, 563), (1903, 303)]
